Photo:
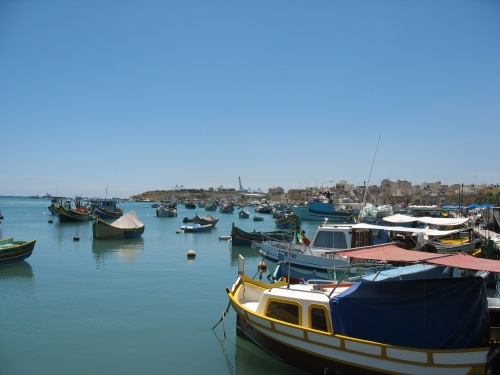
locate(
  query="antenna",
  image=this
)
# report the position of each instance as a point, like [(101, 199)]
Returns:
[(373, 162)]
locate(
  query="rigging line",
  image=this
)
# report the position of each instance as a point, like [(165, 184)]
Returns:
[(370, 175), (222, 318)]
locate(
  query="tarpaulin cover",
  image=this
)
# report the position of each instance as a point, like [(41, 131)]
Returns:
[(426, 314), (393, 253), (128, 221), (399, 218)]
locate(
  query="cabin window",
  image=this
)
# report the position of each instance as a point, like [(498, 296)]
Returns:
[(286, 312), (362, 237), (331, 240), (318, 319)]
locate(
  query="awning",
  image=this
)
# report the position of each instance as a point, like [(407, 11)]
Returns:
[(398, 218), (392, 253)]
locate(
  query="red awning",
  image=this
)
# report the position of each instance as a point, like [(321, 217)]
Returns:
[(392, 253)]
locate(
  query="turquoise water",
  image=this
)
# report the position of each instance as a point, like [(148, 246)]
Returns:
[(136, 306)]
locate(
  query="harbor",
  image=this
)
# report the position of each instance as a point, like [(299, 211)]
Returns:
[(147, 304)]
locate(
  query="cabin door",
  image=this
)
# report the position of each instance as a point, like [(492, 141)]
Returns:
[(361, 237)]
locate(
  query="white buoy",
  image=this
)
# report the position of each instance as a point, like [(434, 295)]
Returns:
[(224, 237), (191, 254), (178, 231)]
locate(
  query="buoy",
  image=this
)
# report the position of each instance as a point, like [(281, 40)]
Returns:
[(191, 254), (76, 238), (224, 237), (50, 221), (177, 231), (262, 266)]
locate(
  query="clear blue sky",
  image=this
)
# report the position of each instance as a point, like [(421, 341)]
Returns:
[(147, 95)]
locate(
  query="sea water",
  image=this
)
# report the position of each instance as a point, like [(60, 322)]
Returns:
[(80, 305)]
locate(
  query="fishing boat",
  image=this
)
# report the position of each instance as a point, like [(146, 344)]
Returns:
[(67, 214), (14, 251), (241, 237), (55, 203), (258, 218), (128, 226), (197, 227), (287, 221), (190, 205), (321, 208), (227, 208), (166, 210), (211, 206), (322, 251), (207, 219), (431, 326), (106, 209), (244, 214)]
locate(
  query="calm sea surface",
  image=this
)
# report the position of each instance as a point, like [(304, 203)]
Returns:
[(135, 306)]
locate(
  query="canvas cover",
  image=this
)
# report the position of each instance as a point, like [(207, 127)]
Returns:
[(399, 218), (447, 313), (128, 221)]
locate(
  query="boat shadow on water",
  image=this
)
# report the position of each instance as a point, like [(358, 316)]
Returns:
[(126, 249), (18, 270)]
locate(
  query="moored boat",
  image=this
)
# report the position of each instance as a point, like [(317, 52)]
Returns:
[(211, 206), (14, 251), (68, 214), (258, 218), (166, 210), (128, 226), (431, 326), (106, 209), (197, 227), (241, 237), (227, 208), (244, 214)]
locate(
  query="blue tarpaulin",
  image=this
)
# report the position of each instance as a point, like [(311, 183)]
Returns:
[(449, 313)]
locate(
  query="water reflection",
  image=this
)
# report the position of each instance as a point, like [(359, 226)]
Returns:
[(126, 249), (18, 270), (250, 359), (246, 251)]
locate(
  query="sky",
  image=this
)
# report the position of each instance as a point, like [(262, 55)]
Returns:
[(132, 96)]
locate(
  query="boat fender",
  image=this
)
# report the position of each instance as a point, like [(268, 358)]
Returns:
[(191, 254)]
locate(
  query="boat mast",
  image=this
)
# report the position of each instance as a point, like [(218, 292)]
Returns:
[(373, 162)]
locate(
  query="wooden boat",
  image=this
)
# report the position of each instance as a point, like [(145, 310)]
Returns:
[(430, 326), (197, 227), (166, 210), (227, 208), (287, 221), (241, 237), (65, 214), (211, 206), (106, 209), (190, 205), (128, 226), (207, 219), (14, 251), (55, 203), (244, 214), (258, 218)]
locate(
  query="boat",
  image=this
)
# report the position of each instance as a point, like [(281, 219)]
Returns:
[(241, 237), (67, 214), (207, 219), (166, 210), (55, 203), (258, 218), (227, 208), (106, 209), (430, 326), (127, 226), (287, 221), (211, 206), (14, 251), (34, 196), (190, 205), (197, 227), (322, 251), (244, 214), (321, 208)]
